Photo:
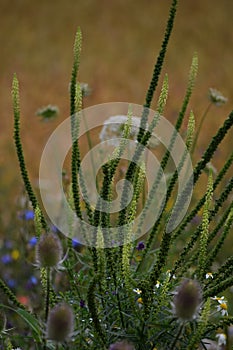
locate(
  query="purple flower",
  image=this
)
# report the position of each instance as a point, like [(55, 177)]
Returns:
[(196, 220), (32, 242), (8, 244), (6, 259), (140, 246), (54, 229), (82, 303)]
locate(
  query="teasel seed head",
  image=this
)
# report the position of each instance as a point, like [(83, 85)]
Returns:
[(49, 250), (187, 300), (60, 324)]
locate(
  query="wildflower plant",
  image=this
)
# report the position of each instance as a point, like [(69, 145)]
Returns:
[(122, 284)]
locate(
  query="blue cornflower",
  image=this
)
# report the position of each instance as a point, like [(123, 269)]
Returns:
[(32, 242), (75, 243), (33, 280), (11, 283), (27, 215), (6, 259), (140, 246)]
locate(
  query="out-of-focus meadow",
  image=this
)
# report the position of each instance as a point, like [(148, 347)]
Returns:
[(121, 39)]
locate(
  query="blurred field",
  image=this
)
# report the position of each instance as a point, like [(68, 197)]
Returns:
[(121, 39)]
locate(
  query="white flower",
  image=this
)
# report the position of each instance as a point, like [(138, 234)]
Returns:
[(137, 290), (157, 284), (221, 338), (216, 97), (217, 298), (169, 274), (209, 275), (222, 307), (113, 128)]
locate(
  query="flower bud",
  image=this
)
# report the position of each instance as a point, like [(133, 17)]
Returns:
[(49, 250), (122, 345), (187, 299), (60, 324)]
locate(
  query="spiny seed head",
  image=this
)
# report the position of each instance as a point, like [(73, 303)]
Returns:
[(122, 345), (49, 250), (187, 299), (2, 320), (60, 324)]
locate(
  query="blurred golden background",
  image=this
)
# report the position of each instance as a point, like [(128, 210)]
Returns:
[(121, 40)]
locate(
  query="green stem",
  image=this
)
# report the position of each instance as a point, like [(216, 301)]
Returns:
[(158, 67), (177, 337), (199, 127), (10, 295), (90, 147), (47, 294), (19, 150)]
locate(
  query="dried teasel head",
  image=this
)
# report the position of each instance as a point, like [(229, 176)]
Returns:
[(49, 250), (60, 324), (187, 300)]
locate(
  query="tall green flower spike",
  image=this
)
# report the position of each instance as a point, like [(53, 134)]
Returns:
[(37, 221), (75, 104), (128, 245), (77, 54), (205, 230), (190, 131), (163, 96), (212, 255), (164, 162), (158, 67), (201, 327), (8, 344), (19, 149)]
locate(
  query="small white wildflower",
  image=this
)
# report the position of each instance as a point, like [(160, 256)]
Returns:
[(216, 97), (222, 307), (209, 275), (222, 338), (86, 90), (169, 274), (217, 298), (113, 128), (137, 290), (157, 284), (48, 112)]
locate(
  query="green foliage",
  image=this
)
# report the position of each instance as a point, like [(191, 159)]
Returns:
[(127, 297)]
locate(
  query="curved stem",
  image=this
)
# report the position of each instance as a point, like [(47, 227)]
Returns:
[(200, 126)]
